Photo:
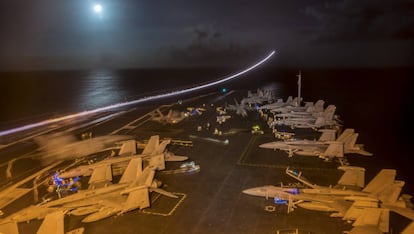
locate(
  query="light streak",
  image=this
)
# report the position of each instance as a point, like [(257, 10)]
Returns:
[(144, 99)]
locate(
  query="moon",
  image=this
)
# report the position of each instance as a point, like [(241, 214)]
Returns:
[(97, 8)]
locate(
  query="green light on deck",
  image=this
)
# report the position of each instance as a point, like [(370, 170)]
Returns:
[(256, 127)]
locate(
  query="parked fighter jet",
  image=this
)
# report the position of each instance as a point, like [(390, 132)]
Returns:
[(278, 104), (308, 110), (282, 135), (52, 223), (259, 97), (222, 118), (191, 111), (172, 116), (314, 120), (326, 147), (382, 191), (132, 192), (239, 108), (154, 152), (131, 197), (366, 211), (351, 182), (294, 145)]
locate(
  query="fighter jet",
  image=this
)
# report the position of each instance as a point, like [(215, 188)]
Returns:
[(154, 153), (52, 223), (383, 191), (294, 145), (239, 108), (222, 118), (278, 104), (172, 117), (130, 193), (326, 147), (314, 120), (259, 97), (350, 183)]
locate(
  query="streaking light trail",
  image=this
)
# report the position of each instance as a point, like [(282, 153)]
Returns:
[(145, 99)]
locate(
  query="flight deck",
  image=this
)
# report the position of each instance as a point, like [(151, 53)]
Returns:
[(210, 200)]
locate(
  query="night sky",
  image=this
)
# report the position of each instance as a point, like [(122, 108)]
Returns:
[(68, 34)]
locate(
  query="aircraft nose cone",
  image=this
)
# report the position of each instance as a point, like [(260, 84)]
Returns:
[(265, 145), (250, 191)]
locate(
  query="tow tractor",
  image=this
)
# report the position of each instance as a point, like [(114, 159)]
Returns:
[(256, 130)]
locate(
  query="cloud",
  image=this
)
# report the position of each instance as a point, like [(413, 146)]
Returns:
[(362, 20), (208, 46)]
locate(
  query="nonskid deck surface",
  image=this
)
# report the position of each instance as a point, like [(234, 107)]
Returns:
[(209, 201)]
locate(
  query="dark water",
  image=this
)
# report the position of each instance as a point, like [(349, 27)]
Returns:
[(376, 102), (26, 95)]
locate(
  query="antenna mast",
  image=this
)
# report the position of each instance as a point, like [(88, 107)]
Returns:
[(299, 88)]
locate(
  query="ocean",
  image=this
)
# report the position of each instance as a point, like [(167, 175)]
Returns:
[(377, 103)]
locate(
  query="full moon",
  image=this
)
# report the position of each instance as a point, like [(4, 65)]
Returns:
[(97, 8)]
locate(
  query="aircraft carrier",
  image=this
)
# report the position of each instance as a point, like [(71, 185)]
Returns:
[(209, 200)]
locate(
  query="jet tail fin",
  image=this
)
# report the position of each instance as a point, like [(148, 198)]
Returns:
[(381, 181), (335, 149), (100, 175), (138, 196), (152, 145), (345, 134), (160, 148), (329, 112), (133, 170), (318, 106), (391, 194), (350, 141), (128, 148), (137, 199)]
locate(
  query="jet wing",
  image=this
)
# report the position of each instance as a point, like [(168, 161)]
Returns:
[(341, 206), (53, 223), (358, 208), (9, 228), (382, 180), (152, 144), (105, 207), (353, 176), (128, 148), (324, 203), (406, 212), (371, 220), (11, 195), (409, 229), (137, 199)]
